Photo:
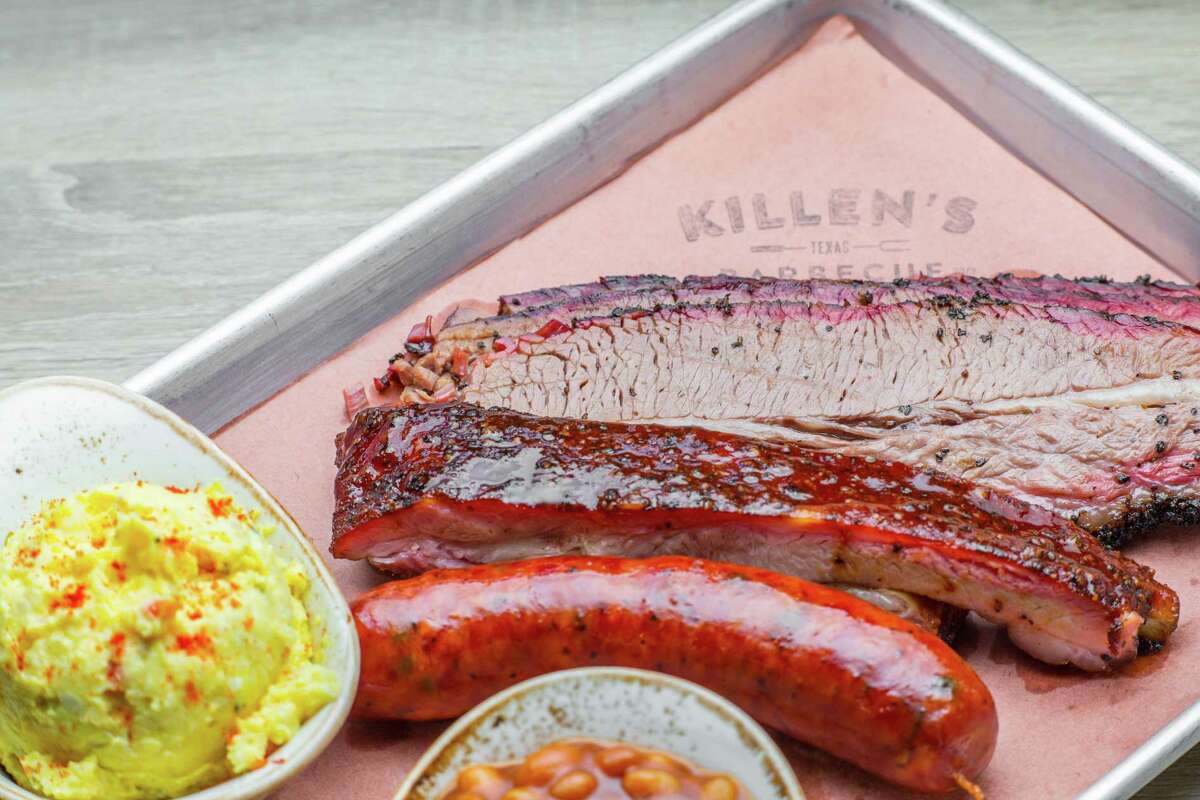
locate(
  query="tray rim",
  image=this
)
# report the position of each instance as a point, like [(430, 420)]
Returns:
[(193, 379)]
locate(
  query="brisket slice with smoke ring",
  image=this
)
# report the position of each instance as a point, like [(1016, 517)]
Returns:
[(1148, 295), (781, 359), (610, 283), (434, 486), (962, 369), (526, 313)]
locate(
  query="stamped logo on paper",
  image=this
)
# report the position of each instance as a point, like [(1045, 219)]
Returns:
[(842, 232)]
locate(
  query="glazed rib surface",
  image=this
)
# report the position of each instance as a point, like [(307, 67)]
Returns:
[(430, 486)]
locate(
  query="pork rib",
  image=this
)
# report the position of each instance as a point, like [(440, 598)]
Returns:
[(423, 487)]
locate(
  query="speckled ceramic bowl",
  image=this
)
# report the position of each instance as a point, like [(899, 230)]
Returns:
[(62, 435), (647, 709)]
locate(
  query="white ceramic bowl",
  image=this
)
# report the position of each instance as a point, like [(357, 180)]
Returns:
[(647, 709), (62, 435)]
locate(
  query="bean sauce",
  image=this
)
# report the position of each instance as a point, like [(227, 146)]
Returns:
[(588, 769)]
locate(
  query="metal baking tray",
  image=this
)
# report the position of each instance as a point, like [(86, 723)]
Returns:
[(1149, 195)]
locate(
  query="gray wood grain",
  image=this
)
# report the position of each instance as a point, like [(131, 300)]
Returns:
[(161, 165)]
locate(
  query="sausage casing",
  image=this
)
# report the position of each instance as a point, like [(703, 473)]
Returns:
[(817, 664)]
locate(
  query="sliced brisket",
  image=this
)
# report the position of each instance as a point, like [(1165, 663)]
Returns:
[(513, 303), (960, 367), (1166, 301), (780, 359)]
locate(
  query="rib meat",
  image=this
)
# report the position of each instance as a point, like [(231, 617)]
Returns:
[(423, 487)]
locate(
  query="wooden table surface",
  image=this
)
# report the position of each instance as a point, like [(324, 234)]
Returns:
[(163, 164)]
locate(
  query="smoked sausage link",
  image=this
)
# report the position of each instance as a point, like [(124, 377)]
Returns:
[(815, 663)]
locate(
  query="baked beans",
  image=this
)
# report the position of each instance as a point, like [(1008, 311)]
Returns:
[(579, 769)]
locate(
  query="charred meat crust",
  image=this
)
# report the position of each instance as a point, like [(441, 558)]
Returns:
[(1154, 299), (1155, 512), (514, 303), (513, 474)]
